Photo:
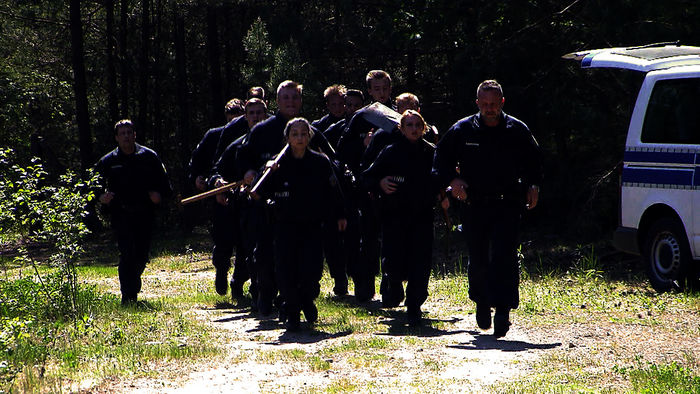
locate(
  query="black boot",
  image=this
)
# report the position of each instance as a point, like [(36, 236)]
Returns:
[(413, 316), (393, 293), (129, 300), (220, 281), (292, 322), (483, 316), (341, 286), (310, 312), (236, 290), (501, 322)]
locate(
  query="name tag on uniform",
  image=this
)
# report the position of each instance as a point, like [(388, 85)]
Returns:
[(472, 144)]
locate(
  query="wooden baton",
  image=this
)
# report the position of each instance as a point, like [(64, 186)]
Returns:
[(210, 193)]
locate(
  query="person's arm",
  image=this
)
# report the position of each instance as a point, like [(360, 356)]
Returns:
[(336, 197), (377, 178), (201, 159), (533, 168), (161, 183), (445, 164)]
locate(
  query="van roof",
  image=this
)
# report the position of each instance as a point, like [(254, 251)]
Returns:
[(646, 58)]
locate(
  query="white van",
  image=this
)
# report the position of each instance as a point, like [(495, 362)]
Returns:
[(660, 196)]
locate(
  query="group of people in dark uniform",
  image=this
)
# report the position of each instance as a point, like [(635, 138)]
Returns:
[(356, 187)]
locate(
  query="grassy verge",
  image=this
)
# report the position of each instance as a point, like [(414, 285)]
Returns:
[(43, 352), (163, 333)]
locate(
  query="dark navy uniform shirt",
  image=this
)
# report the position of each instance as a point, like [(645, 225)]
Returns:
[(325, 122), (493, 161), (131, 177), (202, 157), (304, 190), (410, 166)]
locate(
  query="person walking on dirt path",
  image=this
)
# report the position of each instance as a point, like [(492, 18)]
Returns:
[(304, 192), (234, 205), (493, 167), (401, 176), (135, 182), (222, 217)]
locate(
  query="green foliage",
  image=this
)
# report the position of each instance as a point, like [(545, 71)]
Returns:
[(33, 309), (579, 117), (259, 55), (666, 378)]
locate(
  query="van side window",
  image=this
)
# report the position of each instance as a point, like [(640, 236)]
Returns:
[(673, 113)]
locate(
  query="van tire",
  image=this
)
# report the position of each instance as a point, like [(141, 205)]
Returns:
[(666, 255)]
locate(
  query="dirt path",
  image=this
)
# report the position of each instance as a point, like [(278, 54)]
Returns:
[(449, 354), (459, 357)]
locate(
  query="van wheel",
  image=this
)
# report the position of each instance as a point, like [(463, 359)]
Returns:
[(666, 255)]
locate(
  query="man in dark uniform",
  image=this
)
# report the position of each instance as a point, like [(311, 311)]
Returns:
[(499, 172), (335, 103), (203, 155), (135, 183), (265, 141), (351, 148), (227, 211), (354, 100), (341, 249), (233, 206), (201, 162)]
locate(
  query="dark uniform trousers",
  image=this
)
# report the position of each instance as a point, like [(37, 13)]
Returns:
[(226, 236), (298, 263), (263, 256), (492, 238), (333, 251), (245, 261), (368, 262), (407, 255), (133, 231)]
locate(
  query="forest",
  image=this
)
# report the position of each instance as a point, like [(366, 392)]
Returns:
[(70, 69)]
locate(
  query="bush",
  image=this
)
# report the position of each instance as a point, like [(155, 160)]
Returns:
[(36, 212)]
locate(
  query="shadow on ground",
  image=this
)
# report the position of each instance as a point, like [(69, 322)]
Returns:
[(482, 341)]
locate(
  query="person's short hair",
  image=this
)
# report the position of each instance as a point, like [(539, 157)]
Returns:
[(355, 93), (256, 92), (234, 107), (410, 97), (294, 121), (376, 74), (290, 84), (334, 90), (255, 101), (489, 84), (410, 112), (123, 123)]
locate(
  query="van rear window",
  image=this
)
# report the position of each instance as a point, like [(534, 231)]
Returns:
[(673, 113)]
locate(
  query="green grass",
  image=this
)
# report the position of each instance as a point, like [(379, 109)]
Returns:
[(113, 342), (653, 378)]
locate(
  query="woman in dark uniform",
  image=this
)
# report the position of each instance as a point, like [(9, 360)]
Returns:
[(303, 191), (401, 175)]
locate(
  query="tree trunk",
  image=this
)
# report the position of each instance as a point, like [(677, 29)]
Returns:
[(183, 129), (157, 118), (112, 94), (124, 63), (80, 86), (144, 71), (216, 115)]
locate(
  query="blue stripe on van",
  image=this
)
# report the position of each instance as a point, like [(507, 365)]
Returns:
[(586, 61), (659, 176), (660, 157)]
